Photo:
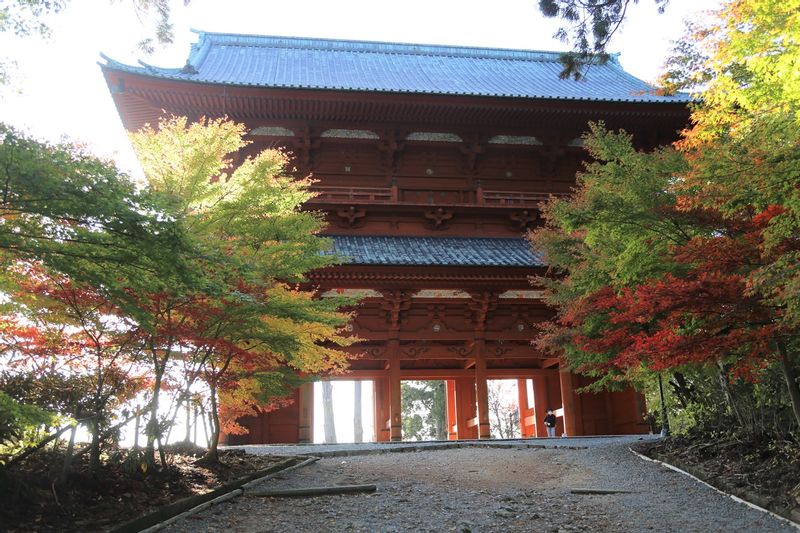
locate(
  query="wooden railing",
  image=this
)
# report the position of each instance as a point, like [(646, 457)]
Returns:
[(514, 198), (439, 197), (382, 195)]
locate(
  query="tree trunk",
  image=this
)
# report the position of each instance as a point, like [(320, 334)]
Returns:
[(205, 426), (152, 424), (440, 410), (212, 454), (681, 389), (94, 449), (67, 465), (327, 409), (188, 437), (194, 425), (136, 430), (729, 399), (358, 430), (791, 379), (161, 455)]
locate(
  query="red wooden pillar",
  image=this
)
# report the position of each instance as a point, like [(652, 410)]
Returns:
[(527, 416), (482, 390), (466, 419), (305, 407), (380, 399), (395, 406), (570, 404), (540, 404), (452, 421)]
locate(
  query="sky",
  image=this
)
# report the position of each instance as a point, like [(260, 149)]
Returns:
[(57, 90)]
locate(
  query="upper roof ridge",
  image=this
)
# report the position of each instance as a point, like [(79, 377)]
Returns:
[(379, 66)]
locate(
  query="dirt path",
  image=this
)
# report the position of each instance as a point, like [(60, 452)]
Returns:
[(479, 489)]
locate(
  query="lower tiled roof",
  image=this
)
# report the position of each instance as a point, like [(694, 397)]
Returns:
[(442, 251)]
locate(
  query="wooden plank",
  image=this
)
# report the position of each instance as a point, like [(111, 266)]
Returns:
[(311, 491)]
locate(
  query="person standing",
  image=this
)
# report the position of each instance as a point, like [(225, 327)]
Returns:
[(550, 423)]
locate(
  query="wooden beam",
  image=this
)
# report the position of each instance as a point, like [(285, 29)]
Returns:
[(482, 392), (442, 373), (305, 406), (569, 405), (395, 408), (310, 491), (452, 423), (540, 403), (424, 351), (466, 408), (381, 413)]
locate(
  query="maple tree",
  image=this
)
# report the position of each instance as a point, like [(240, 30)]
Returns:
[(70, 337), (247, 323), (688, 257), (78, 215), (190, 284), (77, 239)]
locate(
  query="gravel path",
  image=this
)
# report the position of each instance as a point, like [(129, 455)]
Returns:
[(489, 489), (373, 447)]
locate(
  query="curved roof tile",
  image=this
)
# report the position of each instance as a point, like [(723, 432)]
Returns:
[(440, 251), (291, 62)]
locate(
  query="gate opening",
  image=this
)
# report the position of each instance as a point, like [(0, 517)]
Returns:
[(504, 409), (424, 410), (343, 413)]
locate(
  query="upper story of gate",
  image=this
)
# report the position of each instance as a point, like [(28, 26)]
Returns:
[(405, 138)]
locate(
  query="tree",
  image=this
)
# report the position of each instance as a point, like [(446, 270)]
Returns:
[(329, 424), (358, 430), (25, 18), (744, 154), (80, 216), (244, 321), (424, 410), (589, 26), (78, 241), (701, 270), (68, 334), (504, 414)]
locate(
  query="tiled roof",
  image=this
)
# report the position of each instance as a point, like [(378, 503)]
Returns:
[(291, 62), (444, 251)]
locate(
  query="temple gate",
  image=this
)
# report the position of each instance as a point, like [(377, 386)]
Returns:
[(431, 161)]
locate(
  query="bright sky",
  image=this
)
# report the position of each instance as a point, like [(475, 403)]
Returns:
[(58, 90)]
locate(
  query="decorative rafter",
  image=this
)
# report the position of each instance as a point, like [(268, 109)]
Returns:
[(394, 303), (481, 304)]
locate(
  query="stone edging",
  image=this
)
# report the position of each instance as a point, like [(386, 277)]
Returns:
[(733, 497), (168, 514)]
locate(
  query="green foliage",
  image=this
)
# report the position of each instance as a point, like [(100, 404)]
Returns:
[(20, 425), (424, 410), (622, 219), (686, 259), (744, 144), (245, 327), (80, 216), (27, 17), (589, 26), (24, 17)]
